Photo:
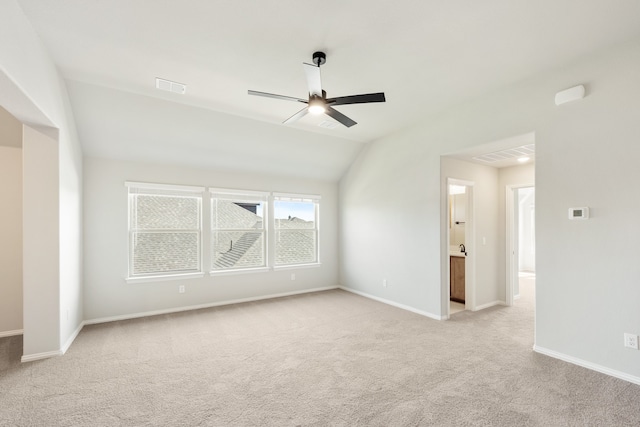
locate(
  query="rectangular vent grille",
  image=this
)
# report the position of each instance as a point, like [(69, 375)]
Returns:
[(327, 124), (511, 153), (170, 86)]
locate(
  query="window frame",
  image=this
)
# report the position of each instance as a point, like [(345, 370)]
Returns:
[(301, 198), (240, 196), (166, 190), (205, 242)]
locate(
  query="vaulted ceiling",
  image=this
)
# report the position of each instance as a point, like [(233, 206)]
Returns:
[(425, 56)]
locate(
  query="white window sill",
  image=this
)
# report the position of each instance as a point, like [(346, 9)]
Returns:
[(164, 278), (296, 266), (239, 271)]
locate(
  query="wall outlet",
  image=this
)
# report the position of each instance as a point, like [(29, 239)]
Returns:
[(631, 341), (293, 276), (384, 283), (181, 289)]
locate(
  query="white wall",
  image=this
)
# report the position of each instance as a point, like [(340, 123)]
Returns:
[(70, 227), (10, 240), (587, 289), (32, 90), (107, 295), (41, 266), (384, 208)]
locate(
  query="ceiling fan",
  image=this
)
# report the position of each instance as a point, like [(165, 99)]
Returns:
[(318, 103)]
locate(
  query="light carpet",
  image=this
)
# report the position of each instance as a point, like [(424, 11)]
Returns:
[(325, 359)]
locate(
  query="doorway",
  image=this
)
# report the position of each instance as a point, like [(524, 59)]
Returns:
[(520, 240), (460, 269)]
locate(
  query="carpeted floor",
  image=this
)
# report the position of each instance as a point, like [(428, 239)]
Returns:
[(330, 358)]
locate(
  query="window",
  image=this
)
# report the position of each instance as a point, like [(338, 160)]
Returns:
[(238, 238), (295, 229), (248, 231), (165, 230)]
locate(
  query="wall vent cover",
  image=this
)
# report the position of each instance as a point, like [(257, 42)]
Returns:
[(511, 153), (170, 86)]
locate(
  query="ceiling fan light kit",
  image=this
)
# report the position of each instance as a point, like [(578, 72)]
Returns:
[(317, 102)]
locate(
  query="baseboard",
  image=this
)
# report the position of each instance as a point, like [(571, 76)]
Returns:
[(394, 304), (489, 304), (588, 365), (39, 356), (11, 333), (201, 306), (72, 338), (47, 354)]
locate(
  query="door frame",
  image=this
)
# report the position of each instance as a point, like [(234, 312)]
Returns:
[(469, 237), (512, 242)]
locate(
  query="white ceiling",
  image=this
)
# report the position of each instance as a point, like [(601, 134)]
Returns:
[(424, 55)]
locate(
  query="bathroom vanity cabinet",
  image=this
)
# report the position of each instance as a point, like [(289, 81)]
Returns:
[(456, 278)]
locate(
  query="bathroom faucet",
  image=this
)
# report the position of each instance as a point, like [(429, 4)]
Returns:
[(462, 248)]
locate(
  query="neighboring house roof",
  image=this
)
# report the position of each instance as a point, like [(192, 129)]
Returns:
[(295, 243), (165, 251), (244, 251), (237, 241), (294, 246), (228, 215)]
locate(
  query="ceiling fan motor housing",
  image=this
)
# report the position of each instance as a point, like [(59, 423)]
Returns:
[(319, 58)]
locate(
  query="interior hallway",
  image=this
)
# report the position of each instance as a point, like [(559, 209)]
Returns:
[(527, 286)]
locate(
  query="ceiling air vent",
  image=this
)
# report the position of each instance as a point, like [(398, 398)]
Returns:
[(511, 153), (328, 124), (170, 86)]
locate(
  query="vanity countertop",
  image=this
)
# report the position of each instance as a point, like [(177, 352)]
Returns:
[(454, 250)]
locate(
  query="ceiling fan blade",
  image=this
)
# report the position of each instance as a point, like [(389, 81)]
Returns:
[(313, 79), (271, 95), (297, 116), (357, 99), (340, 117)]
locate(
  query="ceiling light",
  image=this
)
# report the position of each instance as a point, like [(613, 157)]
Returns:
[(523, 159), (316, 106), (316, 109)]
